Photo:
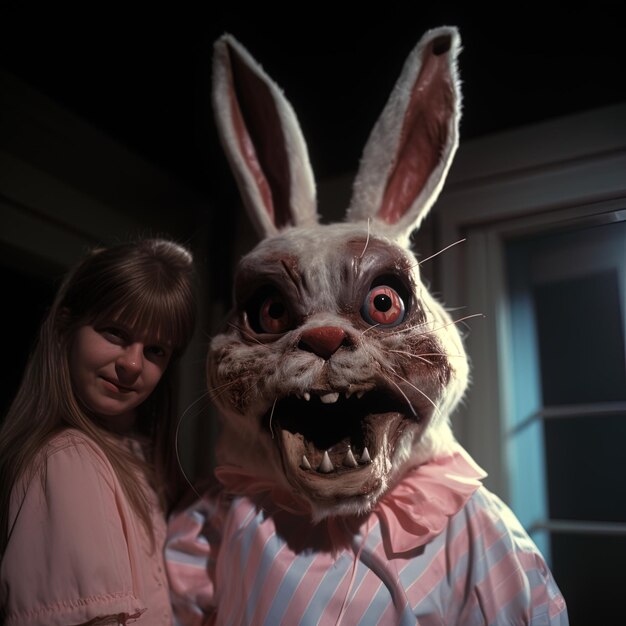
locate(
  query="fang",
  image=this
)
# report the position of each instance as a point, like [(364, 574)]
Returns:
[(349, 460), (326, 466)]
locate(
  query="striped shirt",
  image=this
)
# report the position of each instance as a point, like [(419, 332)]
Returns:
[(234, 561)]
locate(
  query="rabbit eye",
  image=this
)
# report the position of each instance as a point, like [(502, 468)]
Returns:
[(383, 306), (274, 316)]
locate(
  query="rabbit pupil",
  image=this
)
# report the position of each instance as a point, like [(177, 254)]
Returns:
[(276, 310), (273, 316), (382, 302), (383, 306)]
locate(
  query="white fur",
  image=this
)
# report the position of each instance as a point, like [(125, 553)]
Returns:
[(303, 195), (380, 151), (320, 272)]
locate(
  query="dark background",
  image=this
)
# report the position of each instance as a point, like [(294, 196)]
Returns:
[(144, 77)]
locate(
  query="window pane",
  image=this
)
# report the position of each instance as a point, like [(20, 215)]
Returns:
[(586, 468), (581, 342), (589, 573)]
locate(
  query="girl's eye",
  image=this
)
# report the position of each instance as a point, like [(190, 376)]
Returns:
[(383, 307), (274, 316), (114, 335), (155, 351)]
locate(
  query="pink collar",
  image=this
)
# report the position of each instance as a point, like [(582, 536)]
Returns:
[(412, 513)]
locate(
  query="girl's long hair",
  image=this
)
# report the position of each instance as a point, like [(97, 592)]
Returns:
[(145, 285)]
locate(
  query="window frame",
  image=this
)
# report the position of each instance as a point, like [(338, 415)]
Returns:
[(543, 177)]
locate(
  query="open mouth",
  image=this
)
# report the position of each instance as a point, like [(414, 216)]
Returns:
[(338, 438)]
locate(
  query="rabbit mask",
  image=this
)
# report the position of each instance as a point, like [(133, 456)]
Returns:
[(338, 370)]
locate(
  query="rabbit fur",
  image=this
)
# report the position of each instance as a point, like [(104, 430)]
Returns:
[(341, 495), (337, 370)]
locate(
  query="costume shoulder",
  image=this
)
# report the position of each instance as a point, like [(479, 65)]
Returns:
[(510, 580), (66, 559)]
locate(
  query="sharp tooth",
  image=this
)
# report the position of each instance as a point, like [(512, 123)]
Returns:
[(330, 398), (349, 392), (326, 466), (306, 395), (360, 394), (305, 463), (365, 457), (349, 459)]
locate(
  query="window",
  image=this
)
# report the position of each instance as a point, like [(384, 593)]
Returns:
[(567, 426), (543, 212)]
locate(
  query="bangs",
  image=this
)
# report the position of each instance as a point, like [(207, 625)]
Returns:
[(146, 287), (166, 317)]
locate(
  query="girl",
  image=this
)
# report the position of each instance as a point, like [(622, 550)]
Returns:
[(86, 464)]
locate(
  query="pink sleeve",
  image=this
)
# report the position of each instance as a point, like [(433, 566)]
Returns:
[(511, 583), (67, 560)]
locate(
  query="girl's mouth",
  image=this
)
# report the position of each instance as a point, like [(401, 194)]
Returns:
[(113, 385)]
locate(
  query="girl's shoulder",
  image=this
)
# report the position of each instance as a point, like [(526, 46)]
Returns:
[(69, 437), (72, 439), (73, 454), (65, 515)]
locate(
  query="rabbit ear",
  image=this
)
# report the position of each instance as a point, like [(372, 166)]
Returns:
[(262, 140), (411, 147)]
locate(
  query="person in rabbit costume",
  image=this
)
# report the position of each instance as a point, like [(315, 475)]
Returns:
[(342, 495)]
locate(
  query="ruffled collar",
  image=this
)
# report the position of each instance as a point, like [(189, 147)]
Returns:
[(411, 514), (417, 509)]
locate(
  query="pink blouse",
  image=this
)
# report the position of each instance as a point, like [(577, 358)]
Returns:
[(76, 549)]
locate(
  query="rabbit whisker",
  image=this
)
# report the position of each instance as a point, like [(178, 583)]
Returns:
[(413, 356), (369, 328), (461, 319), (408, 329), (247, 390), (403, 394), (367, 240), (228, 384), (423, 354), (271, 416), (416, 389), (221, 389), (432, 256), (176, 439), (461, 356), (243, 332), (438, 328)]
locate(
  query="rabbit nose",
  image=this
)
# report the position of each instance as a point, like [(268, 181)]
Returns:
[(323, 340)]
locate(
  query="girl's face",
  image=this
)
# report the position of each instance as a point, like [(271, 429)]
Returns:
[(114, 369)]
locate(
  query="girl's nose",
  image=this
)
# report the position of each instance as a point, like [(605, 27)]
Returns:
[(129, 363)]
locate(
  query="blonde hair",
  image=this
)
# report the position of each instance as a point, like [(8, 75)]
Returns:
[(145, 285)]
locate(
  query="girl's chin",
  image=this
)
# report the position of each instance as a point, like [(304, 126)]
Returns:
[(118, 421), (120, 424)]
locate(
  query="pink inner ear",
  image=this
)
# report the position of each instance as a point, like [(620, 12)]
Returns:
[(424, 132), (260, 137)]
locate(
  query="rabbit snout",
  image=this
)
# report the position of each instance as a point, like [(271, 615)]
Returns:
[(323, 340)]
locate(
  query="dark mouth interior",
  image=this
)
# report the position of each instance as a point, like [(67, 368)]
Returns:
[(347, 421)]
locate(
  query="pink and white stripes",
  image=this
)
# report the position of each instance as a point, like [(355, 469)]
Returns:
[(230, 563)]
